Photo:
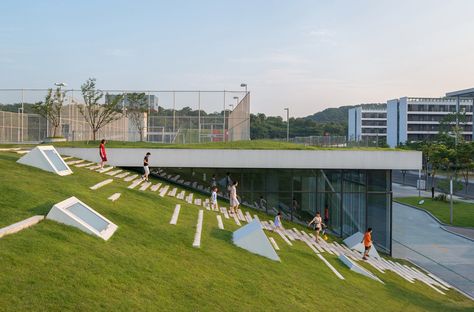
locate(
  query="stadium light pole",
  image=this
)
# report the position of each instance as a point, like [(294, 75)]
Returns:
[(244, 85), (287, 124)]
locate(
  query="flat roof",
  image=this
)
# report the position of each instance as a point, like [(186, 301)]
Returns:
[(466, 93), (255, 159)]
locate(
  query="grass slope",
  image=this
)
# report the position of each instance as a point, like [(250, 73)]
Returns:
[(253, 144), (463, 213), (151, 265)]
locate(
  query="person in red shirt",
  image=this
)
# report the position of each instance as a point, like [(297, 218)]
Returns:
[(102, 153), (367, 241)]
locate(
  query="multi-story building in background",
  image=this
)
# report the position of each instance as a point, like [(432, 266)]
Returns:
[(415, 119), (367, 122)]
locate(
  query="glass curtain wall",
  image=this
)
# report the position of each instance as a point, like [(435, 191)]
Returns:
[(351, 199)]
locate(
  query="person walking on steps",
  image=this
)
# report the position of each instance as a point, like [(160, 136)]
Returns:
[(146, 169), (234, 202), (102, 153), (318, 223), (367, 241), (214, 205), (277, 222)]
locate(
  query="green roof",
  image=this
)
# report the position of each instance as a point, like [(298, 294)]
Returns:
[(149, 264)]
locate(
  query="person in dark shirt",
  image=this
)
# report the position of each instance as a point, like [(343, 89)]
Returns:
[(146, 169)]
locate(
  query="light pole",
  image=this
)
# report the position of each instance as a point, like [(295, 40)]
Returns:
[(287, 124), (244, 85)]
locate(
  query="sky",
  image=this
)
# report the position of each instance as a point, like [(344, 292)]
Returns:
[(305, 55)]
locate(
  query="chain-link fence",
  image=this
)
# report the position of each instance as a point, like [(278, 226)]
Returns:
[(180, 117), (336, 141)]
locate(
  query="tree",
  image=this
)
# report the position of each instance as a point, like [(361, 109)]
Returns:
[(449, 131), (98, 115), (137, 105), (465, 161), (51, 108), (440, 157)]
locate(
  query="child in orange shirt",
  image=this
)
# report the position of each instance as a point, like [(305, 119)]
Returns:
[(367, 242)]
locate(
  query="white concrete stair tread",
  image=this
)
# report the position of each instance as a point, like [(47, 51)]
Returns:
[(145, 186), (220, 224), (275, 246), (164, 190), (114, 196), (248, 216), (66, 157), (197, 236), (224, 211), (84, 165), (198, 202), (114, 172), (73, 162), (130, 178), (236, 219), (284, 237), (122, 175), (101, 184), (155, 187), (172, 193), (94, 167), (135, 183), (174, 217), (18, 226), (104, 170), (329, 265)]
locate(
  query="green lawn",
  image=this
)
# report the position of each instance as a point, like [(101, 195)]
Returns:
[(252, 144), (463, 213), (151, 265)]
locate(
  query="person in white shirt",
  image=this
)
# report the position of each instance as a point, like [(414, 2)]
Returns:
[(318, 223), (214, 205), (234, 202), (277, 222)]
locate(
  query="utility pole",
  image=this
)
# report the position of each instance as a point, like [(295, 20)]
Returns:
[(287, 124)]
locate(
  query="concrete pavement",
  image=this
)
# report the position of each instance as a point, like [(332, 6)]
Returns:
[(419, 238)]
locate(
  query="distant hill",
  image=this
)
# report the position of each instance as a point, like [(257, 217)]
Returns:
[(332, 114), (337, 114)]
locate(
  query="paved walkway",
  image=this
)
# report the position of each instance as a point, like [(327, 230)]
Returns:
[(420, 239)]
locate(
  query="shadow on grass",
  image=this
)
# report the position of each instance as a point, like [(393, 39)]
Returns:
[(42, 209), (222, 235)]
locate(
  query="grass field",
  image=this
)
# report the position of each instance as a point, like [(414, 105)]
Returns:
[(151, 265), (463, 213), (253, 144)]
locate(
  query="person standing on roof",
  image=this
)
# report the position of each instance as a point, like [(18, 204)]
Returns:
[(367, 241), (102, 153), (146, 169)]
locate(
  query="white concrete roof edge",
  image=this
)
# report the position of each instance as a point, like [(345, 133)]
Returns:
[(240, 158)]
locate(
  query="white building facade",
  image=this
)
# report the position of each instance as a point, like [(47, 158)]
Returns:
[(367, 122), (411, 119)]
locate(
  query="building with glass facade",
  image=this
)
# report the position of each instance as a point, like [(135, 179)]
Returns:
[(355, 199), (412, 119), (367, 122), (354, 185)]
